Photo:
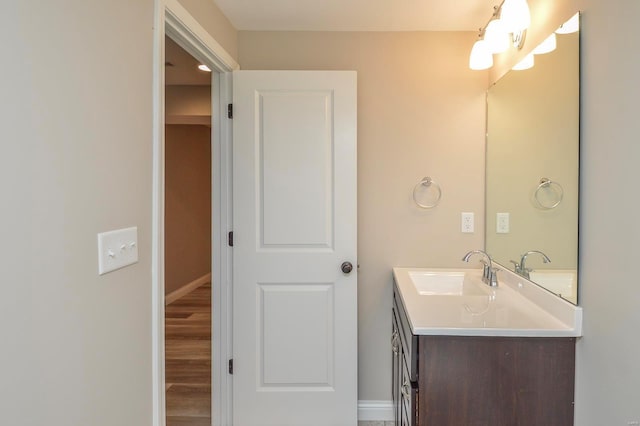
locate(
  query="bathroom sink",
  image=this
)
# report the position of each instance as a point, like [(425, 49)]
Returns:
[(447, 283), (455, 302)]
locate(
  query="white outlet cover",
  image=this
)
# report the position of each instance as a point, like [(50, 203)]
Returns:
[(117, 249), (502, 223), (467, 222)]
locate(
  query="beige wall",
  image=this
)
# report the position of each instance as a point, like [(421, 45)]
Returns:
[(215, 23), (187, 204), (420, 112)]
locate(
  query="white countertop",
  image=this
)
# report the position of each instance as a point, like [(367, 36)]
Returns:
[(516, 308)]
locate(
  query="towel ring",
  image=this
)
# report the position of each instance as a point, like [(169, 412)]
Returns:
[(546, 183), (427, 182)]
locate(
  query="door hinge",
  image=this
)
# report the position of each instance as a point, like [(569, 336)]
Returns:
[(230, 111), (231, 366), (230, 239)]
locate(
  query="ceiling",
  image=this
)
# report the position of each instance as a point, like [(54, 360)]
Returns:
[(357, 15), (184, 67)]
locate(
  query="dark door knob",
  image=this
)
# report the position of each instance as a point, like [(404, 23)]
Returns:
[(346, 267)]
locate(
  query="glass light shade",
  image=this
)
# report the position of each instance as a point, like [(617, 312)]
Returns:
[(515, 15), (525, 63), (548, 45), (480, 58), (571, 26), (203, 67), (496, 37)]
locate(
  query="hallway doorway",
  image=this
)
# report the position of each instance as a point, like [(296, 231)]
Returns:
[(188, 234)]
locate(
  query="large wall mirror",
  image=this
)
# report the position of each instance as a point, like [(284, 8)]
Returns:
[(532, 169)]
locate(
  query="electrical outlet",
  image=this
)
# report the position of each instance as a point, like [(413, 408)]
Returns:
[(117, 249), (467, 222), (502, 223)]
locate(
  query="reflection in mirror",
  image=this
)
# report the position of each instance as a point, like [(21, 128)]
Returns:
[(532, 169)]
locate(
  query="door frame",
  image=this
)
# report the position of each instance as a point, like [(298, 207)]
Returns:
[(172, 19)]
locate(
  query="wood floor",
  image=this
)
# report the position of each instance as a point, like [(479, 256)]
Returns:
[(188, 359)]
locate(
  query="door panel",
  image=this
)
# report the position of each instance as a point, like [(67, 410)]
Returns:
[(295, 311), (296, 354), (296, 212)]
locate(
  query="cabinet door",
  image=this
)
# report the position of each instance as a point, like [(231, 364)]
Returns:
[(522, 381), (396, 368), (408, 395)]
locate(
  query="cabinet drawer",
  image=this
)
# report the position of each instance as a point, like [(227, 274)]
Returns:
[(409, 341)]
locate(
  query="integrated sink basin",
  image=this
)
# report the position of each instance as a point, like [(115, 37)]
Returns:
[(446, 283), (456, 302)]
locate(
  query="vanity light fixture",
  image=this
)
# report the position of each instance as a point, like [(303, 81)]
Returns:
[(480, 58), (525, 63), (496, 37), (571, 26), (516, 15), (203, 67), (548, 45), (508, 22)]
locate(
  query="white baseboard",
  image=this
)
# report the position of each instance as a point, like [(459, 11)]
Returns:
[(375, 411), (187, 288)]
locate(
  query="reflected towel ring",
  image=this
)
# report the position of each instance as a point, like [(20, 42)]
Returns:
[(427, 182), (546, 183)]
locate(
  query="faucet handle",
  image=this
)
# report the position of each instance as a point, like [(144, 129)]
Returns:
[(485, 269), (493, 277), (516, 266)]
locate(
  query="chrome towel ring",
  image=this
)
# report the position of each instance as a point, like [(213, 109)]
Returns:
[(548, 195), (426, 184)]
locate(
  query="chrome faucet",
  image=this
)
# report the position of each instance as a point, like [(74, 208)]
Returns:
[(521, 268), (489, 273)]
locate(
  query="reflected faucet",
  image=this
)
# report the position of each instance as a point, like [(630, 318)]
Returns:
[(489, 273), (521, 268)]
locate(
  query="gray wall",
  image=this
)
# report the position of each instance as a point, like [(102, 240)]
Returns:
[(75, 160), (608, 370), (607, 373)]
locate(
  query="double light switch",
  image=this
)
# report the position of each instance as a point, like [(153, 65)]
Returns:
[(117, 249)]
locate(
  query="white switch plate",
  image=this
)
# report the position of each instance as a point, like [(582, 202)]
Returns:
[(502, 223), (467, 222), (117, 249)]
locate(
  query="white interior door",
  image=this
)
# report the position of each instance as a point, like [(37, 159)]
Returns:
[(294, 215)]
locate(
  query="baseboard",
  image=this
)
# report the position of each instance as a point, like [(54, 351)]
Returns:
[(375, 411), (187, 288)]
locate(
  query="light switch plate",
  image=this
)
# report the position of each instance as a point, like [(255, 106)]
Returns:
[(502, 223), (117, 249)]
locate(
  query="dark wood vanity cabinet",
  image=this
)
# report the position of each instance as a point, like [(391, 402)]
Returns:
[(480, 381)]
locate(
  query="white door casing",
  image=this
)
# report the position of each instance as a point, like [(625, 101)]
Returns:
[(294, 215)]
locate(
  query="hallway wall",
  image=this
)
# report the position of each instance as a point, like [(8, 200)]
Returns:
[(187, 204)]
